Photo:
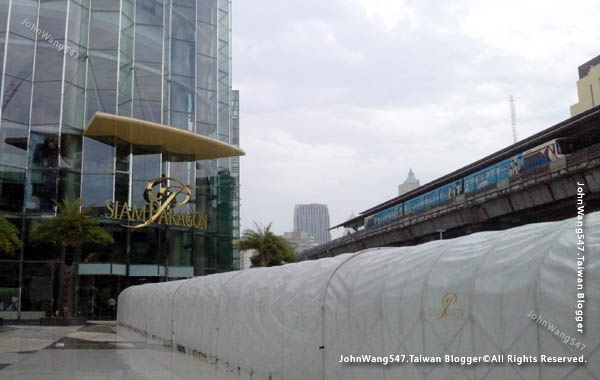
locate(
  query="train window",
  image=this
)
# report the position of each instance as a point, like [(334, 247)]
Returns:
[(565, 146)]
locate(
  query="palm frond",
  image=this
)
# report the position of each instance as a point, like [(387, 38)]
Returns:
[(71, 227), (271, 249), (9, 237)]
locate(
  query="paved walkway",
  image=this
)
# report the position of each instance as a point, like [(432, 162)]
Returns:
[(95, 351)]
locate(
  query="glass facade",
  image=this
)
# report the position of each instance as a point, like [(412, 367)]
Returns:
[(165, 61)]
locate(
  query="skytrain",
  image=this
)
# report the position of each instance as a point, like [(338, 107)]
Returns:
[(496, 175)]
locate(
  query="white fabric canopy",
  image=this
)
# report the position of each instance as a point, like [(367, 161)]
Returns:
[(466, 296)]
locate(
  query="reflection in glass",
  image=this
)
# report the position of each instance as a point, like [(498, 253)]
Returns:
[(20, 51), (146, 164), (97, 189), (147, 82), (209, 130), (98, 157), (184, 172), (37, 287), (100, 100), (3, 15), (149, 12), (23, 11), (2, 44), (184, 23), (144, 246), (43, 189), (102, 73), (183, 54), (106, 5), (70, 149), (75, 66), (53, 17), (12, 188), (45, 150), (147, 110), (199, 250), (78, 23), (13, 144), (182, 120), (46, 103), (47, 251), (96, 295), (207, 39), (104, 29), (73, 106), (224, 253), (17, 222), (137, 192), (148, 43), (126, 58), (48, 62), (9, 288), (180, 248), (92, 253), (207, 11), (42, 179), (125, 88), (17, 92), (206, 111), (123, 151), (121, 187), (69, 184), (182, 96), (207, 73)]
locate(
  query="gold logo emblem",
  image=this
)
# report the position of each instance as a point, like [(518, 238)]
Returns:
[(166, 197), (160, 206), (449, 299)]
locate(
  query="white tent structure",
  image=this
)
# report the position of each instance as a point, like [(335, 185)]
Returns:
[(469, 296)]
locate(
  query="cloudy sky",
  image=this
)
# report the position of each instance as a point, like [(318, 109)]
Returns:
[(339, 98)]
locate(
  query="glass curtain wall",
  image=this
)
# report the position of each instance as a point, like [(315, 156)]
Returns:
[(165, 61), (235, 174)]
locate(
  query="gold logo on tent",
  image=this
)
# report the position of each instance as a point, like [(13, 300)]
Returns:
[(160, 206), (449, 299)]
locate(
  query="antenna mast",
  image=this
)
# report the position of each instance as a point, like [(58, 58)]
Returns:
[(513, 116)]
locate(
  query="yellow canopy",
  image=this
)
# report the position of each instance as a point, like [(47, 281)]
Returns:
[(162, 137)]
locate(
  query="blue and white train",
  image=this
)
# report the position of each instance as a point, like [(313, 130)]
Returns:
[(497, 175)]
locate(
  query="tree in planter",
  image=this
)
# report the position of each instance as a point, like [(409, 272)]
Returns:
[(9, 237), (69, 229), (272, 250)]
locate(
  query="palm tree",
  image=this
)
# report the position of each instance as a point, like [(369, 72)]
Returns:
[(271, 249), (71, 228), (9, 237)]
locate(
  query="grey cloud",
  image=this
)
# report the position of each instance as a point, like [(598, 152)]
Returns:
[(324, 77)]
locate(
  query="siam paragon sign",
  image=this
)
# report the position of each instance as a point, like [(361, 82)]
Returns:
[(161, 207)]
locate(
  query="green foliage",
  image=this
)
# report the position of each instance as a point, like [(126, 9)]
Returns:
[(9, 237), (72, 227), (272, 250)]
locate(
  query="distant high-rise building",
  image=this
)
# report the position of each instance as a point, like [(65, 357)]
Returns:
[(246, 258), (588, 86), (411, 183), (300, 240), (313, 219)]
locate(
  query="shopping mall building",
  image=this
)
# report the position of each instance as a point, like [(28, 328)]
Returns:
[(128, 105)]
